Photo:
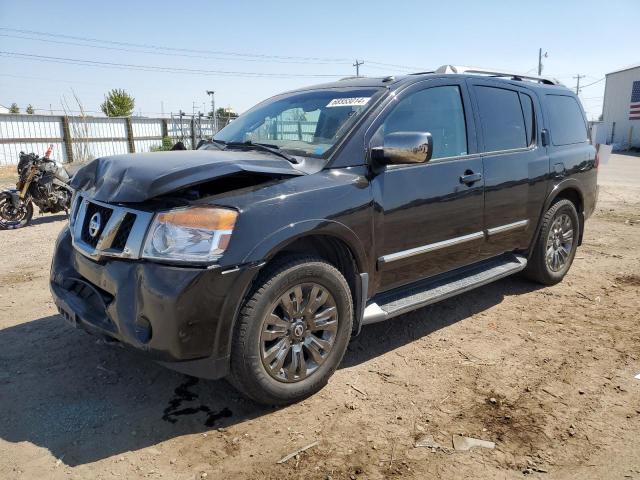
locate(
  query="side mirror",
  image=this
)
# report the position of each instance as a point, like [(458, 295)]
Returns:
[(404, 147)]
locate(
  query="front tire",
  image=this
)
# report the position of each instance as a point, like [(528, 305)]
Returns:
[(556, 245), (292, 331), (11, 217)]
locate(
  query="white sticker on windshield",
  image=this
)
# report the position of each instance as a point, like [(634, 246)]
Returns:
[(348, 102)]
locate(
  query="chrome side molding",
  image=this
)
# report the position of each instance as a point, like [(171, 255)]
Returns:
[(522, 224), (430, 247), (392, 257)]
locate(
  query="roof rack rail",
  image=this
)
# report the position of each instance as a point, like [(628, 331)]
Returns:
[(496, 73)]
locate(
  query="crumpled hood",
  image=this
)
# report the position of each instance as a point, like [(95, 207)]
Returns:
[(138, 177)]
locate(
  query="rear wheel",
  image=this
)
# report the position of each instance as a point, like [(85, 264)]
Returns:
[(292, 331), (12, 217), (556, 246)]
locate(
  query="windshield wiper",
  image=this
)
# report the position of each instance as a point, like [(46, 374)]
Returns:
[(265, 147), (216, 143)]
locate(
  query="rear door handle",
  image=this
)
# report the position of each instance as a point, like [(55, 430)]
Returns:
[(469, 177)]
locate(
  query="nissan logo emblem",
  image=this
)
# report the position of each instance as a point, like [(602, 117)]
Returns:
[(94, 224)]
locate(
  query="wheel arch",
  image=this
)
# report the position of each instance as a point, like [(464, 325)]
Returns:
[(315, 233), (568, 189), (330, 240)]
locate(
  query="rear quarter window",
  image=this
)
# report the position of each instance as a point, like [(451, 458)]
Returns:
[(565, 120)]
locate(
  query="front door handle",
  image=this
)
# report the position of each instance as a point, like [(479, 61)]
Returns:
[(470, 178)]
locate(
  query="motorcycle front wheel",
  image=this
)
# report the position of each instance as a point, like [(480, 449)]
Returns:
[(12, 217)]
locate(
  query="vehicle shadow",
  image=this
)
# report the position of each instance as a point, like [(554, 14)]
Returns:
[(65, 391), (383, 337), (44, 219)]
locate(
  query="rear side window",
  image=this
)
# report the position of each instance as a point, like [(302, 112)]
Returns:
[(529, 117), (502, 120), (566, 120), (436, 110)]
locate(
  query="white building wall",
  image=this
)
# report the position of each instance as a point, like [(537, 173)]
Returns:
[(617, 97), (598, 133)]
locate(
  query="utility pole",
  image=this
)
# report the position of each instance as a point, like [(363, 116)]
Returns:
[(578, 77), (540, 56), (357, 65), (213, 111)]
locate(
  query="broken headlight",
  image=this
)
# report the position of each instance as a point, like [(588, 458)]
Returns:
[(193, 234)]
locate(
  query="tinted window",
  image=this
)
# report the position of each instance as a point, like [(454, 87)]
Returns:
[(308, 123), (529, 118), (566, 120), (501, 117), (435, 110)]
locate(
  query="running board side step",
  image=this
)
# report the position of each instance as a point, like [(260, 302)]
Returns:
[(425, 292)]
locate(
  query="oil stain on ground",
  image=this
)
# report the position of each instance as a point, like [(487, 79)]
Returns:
[(183, 393)]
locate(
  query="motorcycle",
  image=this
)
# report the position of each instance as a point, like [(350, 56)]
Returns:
[(42, 181)]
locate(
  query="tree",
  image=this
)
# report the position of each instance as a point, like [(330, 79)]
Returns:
[(166, 145), (224, 113), (14, 108), (30, 110), (118, 103)]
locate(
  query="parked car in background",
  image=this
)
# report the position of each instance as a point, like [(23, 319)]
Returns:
[(258, 256)]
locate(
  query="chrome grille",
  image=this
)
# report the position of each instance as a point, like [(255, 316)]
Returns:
[(120, 240), (104, 215), (120, 233)]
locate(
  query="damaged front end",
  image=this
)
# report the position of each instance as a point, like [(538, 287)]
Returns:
[(176, 315), (176, 305), (135, 178)]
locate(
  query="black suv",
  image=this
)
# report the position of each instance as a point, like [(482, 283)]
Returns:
[(257, 256)]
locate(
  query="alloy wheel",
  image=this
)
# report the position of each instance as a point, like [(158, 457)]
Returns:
[(559, 243), (299, 333)]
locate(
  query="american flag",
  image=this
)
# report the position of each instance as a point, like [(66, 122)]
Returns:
[(634, 107)]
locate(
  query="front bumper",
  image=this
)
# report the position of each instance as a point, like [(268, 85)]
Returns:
[(180, 316)]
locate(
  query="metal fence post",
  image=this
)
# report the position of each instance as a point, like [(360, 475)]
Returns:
[(66, 138), (165, 128), (193, 133), (130, 142)]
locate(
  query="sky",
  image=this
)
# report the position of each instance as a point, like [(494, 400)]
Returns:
[(247, 51)]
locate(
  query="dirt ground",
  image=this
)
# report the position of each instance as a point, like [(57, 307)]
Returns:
[(545, 373)]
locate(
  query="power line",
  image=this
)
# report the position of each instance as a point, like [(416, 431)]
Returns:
[(176, 49), (54, 79), (593, 83), (156, 68), (185, 55), (405, 67), (255, 57)]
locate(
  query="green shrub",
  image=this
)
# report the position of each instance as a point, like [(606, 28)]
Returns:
[(167, 143)]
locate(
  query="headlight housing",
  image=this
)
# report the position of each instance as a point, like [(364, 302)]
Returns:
[(198, 234)]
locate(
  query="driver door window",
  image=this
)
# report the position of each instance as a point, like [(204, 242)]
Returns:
[(436, 110)]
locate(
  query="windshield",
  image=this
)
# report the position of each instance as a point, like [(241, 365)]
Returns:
[(305, 123)]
